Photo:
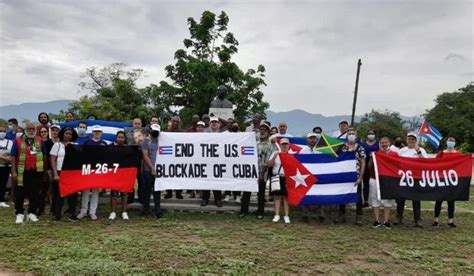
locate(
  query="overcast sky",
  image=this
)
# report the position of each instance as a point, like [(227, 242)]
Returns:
[(411, 50)]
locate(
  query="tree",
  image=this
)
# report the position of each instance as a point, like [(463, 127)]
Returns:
[(204, 64), (453, 114), (112, 94), (385, 123)]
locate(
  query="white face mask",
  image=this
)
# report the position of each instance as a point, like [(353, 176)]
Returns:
[(2, 134), (450, 144), (351, 138), (371, 137)]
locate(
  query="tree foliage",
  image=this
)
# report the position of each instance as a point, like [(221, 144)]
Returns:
[(385, 123), (453, 114), (203, 64)]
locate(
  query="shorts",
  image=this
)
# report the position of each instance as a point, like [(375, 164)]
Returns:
[(374, 202), (117, 194), (282, 191)]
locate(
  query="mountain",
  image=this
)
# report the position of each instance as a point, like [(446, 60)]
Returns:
[(301, 122), (30, 111)]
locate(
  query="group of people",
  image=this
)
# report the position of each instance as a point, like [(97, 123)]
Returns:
[(33, 157)]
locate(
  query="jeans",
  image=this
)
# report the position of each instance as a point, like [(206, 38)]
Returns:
[(245, 202), (30, 189), (148, 190)]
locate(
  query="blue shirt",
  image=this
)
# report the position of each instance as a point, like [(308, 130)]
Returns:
[(81, 140), (91, 142), (370, 148), (10, 135)]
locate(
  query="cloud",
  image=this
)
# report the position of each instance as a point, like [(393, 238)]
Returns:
[(411, 50)]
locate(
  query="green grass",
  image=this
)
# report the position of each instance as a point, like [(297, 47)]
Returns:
[(195, 243)]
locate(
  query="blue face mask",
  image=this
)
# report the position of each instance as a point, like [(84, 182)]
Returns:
[(2, 134), (450, 144), (81, 131)]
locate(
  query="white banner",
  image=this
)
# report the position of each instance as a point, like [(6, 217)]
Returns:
[(207, 161)]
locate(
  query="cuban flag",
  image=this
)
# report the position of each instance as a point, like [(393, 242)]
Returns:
[(109, 128), (247, 150), (165, 150), (320, 179), (431, 134)]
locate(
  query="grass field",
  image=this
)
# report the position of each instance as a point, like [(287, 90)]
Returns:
[(222, 243)]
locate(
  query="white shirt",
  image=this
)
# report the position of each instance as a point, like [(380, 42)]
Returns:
[(407, 152), (58, 150), (277, 165), (337, 134), (309, 150), (395, 149), (5, 149)]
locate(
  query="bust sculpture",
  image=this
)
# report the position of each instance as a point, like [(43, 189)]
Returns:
[(221, 101)]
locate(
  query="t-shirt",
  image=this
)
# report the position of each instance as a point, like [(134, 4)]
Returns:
[(276, 167), (309, 150), (5, 148), (370, 148), (91, 142), (408, 152), (152, 148), (58, 150), (339, 135), (81, 140)]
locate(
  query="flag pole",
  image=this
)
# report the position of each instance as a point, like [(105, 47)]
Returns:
[(359, 63)]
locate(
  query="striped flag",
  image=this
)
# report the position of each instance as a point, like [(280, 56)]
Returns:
[(334, 178), (326, 144), (109, 128), (431, 134)]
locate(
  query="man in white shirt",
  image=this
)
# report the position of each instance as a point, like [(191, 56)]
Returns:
[(341, 133), (412, 150)]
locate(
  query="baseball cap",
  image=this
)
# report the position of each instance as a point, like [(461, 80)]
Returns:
[(311, 134), (155, 127), (214, 119), (264, 124), (284, 141), (96, 128), (201, 123), (56, 126), (413, 134)]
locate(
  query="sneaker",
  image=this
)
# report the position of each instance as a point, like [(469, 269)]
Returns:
[(93, 216), (387, 225), (452, 225), (398, 221), (19, 218), (32, 217), (435, 224), (112, 216), (358, 221), (376, 224), (418, 224), (276, 218), (237, 199), (73, 218), (286, 219), (259, 216), (81, 215), (4, 205), (124, 216), (242, 215), (227, 198)]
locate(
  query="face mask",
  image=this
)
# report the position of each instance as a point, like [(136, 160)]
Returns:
[(371, 137), (10, 127), (154, 133), (81, 131), (450, 144), (351, 138), (19, 134), (318, 135), (2, 135)]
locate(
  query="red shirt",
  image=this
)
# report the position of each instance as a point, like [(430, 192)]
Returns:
[(448, 153)]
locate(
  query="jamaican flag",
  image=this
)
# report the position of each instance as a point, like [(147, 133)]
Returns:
[(326, 144)]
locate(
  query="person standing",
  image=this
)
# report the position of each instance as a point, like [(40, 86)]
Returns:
[(43, 119), (370, 145), (91, 196), (120, 141), (28, 157), (449, 151), (5, 167), (264, 150), (12, 129), (277, 170), (174, 127), (374, 201), (58, 151), (69, 117), (412, 150), (341, 133), (214, 127), (149, 150), (82, 133), (352, 146)]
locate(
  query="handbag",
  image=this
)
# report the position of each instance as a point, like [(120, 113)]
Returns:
[(274, 182)]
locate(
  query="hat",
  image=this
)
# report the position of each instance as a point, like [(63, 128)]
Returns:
[(264, 124), (55, 126), (413, 134), (343, 122), (96, 128), (284, 141), (201, 123), (155, 127), (311, 134), (214, 119)]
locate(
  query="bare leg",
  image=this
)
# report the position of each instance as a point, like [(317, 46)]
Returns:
[(376, 213), (277, 205), (386, 213), (124, 204), (286, 207)]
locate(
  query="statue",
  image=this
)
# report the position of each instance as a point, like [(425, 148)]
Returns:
[(221, 101)]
